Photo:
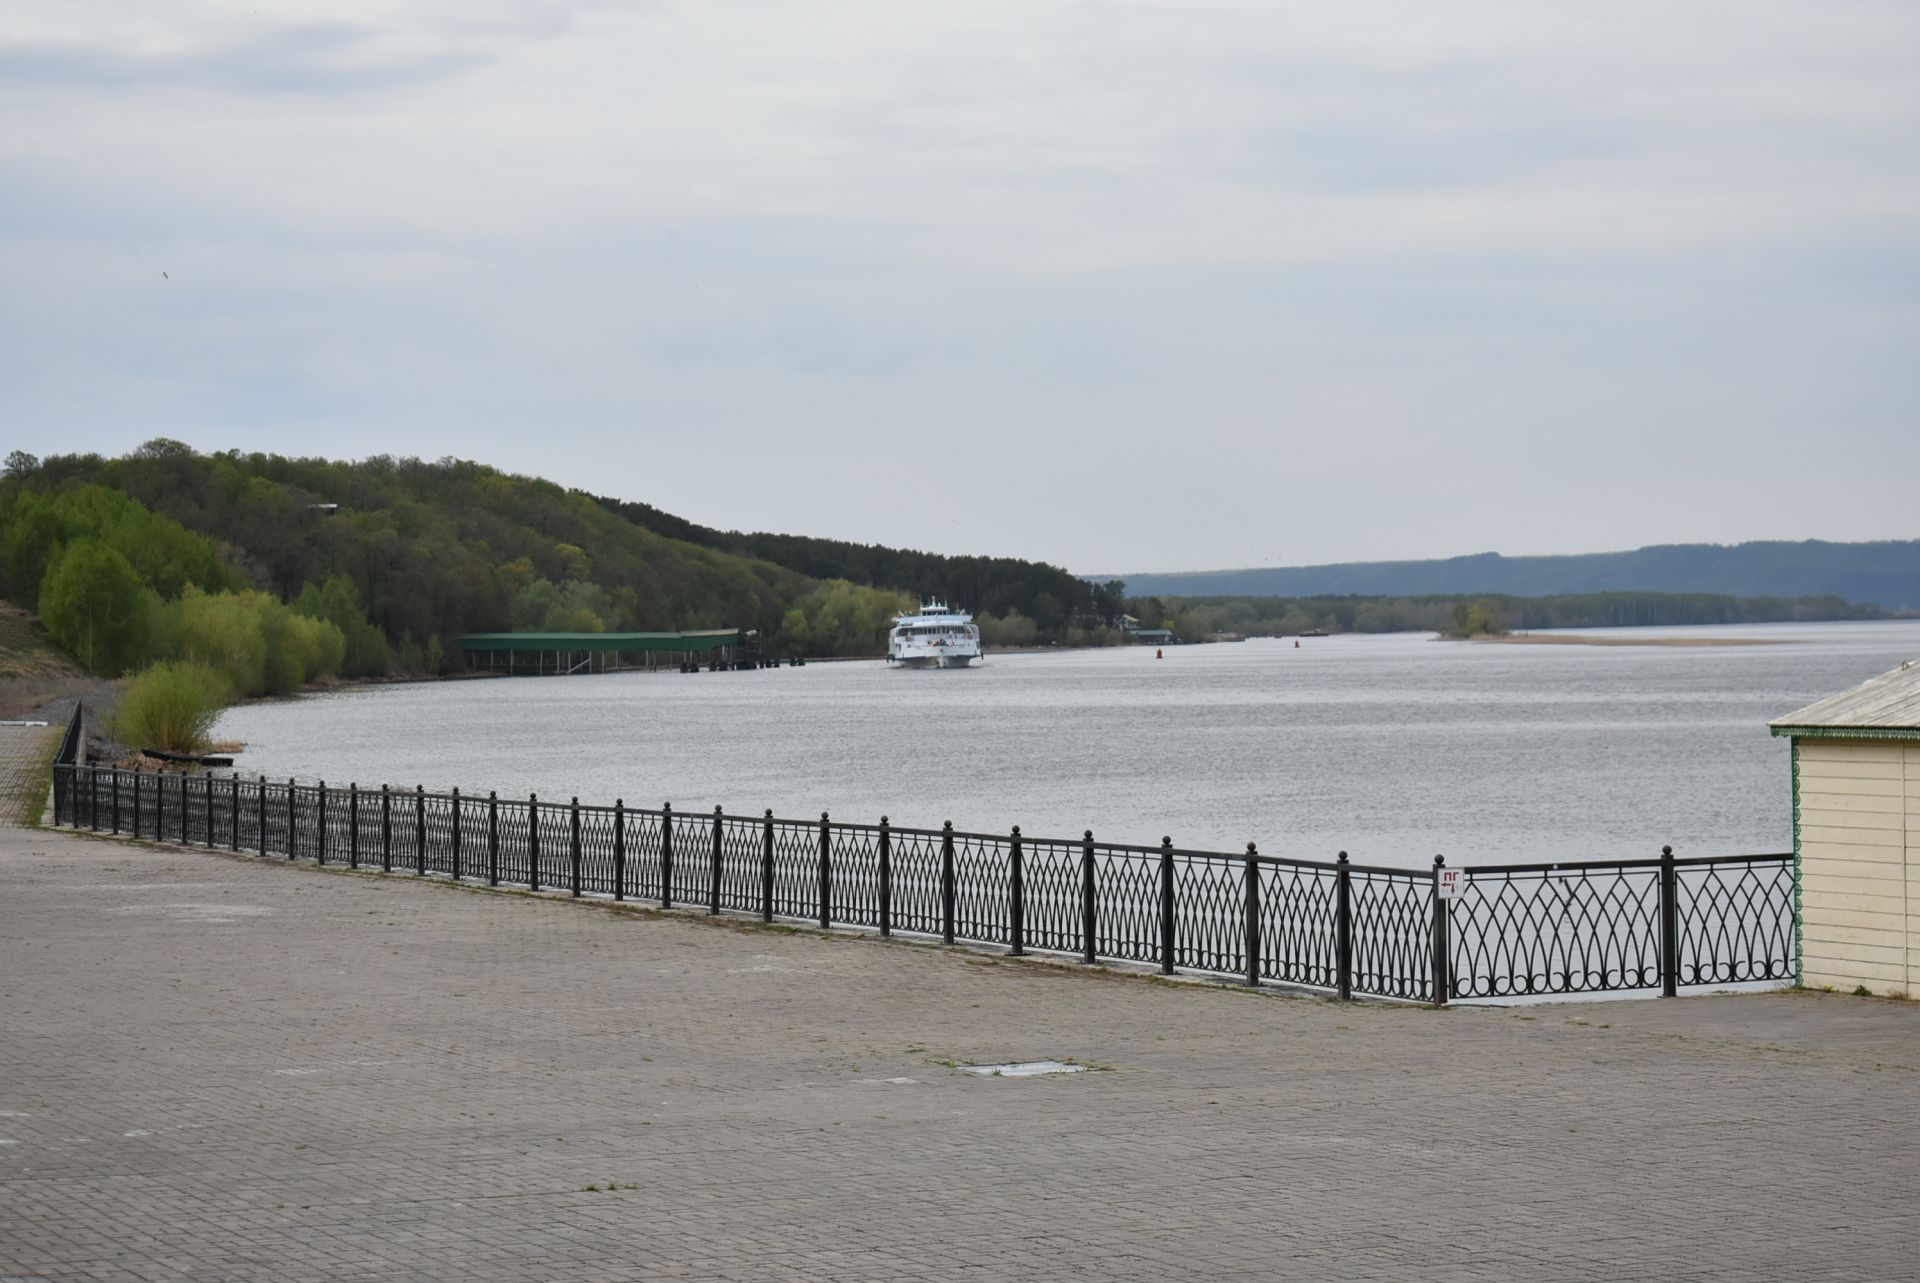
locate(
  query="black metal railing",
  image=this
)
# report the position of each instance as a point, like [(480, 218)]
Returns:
[(1433, 935)]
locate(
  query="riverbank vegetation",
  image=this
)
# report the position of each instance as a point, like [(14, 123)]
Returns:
[(273, 573)]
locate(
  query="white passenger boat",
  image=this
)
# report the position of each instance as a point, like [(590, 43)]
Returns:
[(935, 637)]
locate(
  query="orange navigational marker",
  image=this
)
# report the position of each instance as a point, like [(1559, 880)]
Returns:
[(1159, 654)]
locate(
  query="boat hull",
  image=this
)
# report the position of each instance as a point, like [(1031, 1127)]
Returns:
[(932, 661)]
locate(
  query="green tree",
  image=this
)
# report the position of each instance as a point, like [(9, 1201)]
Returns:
[(96, 607)]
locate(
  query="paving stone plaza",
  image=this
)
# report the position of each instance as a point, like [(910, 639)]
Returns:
[(220, 1068)]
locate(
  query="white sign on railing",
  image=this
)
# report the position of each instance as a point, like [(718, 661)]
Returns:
[(1450, 883)]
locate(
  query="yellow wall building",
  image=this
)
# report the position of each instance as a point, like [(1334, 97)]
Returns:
[(1856, 834)]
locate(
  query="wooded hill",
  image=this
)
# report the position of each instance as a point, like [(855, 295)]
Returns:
[(403, 556), (1885, 573)]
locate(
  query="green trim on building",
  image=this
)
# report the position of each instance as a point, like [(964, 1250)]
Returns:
[(1799, 962), (617, 643), (1848, 732)]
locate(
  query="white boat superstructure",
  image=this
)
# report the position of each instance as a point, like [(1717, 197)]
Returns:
[(933, 637)]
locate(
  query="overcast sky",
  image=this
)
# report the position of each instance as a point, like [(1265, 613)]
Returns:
[(1120, 286)]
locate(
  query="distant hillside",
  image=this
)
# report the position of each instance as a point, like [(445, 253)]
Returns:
[(1885, 574)]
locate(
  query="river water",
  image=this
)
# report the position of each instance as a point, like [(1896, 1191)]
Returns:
[(1392, 748)]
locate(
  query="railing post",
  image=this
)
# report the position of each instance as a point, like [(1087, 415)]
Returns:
[(886, 879), (116, 801), (946, 882), (533, 841), (208, 780), (1166, 906), (136, 801), (1089, 902), (353, 825), (159, 807), (1016, 897), (666, 855), (293, 823), (1669, 926), (826, 872), (573, 848), (233, 809), (619, 848), (320, 845), (493, 838), (454, 854), (1343, 929), (766, 870), (420, 830), (386, 829), (1442, 953), (713, 887), (260, 807), (1252, 884)]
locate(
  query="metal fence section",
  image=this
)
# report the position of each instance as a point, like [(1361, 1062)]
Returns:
[(1498, 931)]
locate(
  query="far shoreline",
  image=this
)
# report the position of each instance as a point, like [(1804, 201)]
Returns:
[(1588, 639)]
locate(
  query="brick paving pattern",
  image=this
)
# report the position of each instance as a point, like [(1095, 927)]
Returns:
[(220, 1068)]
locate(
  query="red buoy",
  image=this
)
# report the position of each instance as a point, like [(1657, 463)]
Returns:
[(1159, 654)]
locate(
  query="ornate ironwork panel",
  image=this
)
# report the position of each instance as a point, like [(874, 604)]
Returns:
[(1556, 930), (1735, 919), (1054, 895), (796, 869), (1209, 912), (1127, 890), (981, 887), (1392, 933), (916, 881), (856, 875)]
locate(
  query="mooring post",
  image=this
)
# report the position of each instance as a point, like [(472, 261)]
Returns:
[(1252, 884), (1166, 906), (353, 825), (826, 872), (713, 887), (454, 855), (386, 829), (1343, 928), (533, 841), (321, 845), (1442, 960), (573, 848), (886, 878), (1089, 905), (766, 870), (420, 829), (619, 848), (1016, 898), (493, 838), (666, 855), (946, 882), (1669, 925)]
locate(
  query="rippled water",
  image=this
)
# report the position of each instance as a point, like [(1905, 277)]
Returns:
[(1392, 748)]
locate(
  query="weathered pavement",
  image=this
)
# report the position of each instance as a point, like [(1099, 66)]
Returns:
[(218, 1068)]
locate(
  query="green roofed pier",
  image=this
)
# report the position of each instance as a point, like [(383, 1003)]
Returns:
[(547, 654)]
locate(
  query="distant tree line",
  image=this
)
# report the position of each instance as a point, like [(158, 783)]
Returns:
[(1051, 600), (1468, 614)]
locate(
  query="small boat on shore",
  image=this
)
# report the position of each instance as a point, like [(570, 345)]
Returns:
[(933, 637)]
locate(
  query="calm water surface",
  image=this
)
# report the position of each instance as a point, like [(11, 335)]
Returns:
[(1392, 748)]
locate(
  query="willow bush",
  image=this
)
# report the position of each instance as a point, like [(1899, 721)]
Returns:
[(171, 706)]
